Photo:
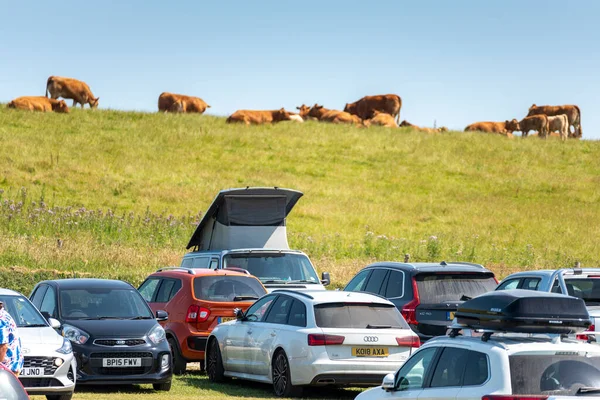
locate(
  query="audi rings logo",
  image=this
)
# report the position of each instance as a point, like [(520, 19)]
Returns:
[(371, 339)]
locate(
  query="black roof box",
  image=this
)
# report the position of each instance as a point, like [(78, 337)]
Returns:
[(525, 311)]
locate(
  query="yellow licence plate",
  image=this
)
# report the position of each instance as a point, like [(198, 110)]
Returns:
[(451, 315), (370, 352), (225, 319)]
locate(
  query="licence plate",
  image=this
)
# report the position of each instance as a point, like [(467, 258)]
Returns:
[(121, 362), (226, 319), (32, 372), (450, 315), (370, 352)]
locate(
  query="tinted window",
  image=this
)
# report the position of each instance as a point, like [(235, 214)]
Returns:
[(357, 283), (395, 285), (49, 302), (200, 262), (476, 370), (297, 314), (530, 283), (413, 372), (37, 297), (586, 288), (274, 267), (509, 284), (450, 368), (23, 312), (148, 288), (187, 262), (555, 287), (258, 309), (165, 290), (278, 314), (103, 303), (375, 281), (547, 374), (439, 288), (214, 263), (227, 288), (358, 315)]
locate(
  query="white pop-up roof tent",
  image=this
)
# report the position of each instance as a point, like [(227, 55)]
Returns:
[(246, 218)]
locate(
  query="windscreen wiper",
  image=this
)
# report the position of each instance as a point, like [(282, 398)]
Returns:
[(303, 281), (275, 281), (138, 317)]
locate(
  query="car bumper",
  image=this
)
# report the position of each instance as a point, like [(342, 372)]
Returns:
[(193, 348), (62, 381)]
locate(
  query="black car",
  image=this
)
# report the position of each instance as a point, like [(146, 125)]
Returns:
[(426, 294), (115, 337)]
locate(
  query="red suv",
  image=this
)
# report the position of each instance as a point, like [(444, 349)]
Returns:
[(197, 300)]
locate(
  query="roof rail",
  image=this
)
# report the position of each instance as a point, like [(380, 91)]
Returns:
[(295, 292), (190, 271), (465, 263), (238, 269)]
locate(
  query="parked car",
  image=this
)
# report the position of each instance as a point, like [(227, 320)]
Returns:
[(245, 229), (115, 337), (292, 339), (579, 282), (10, 387), (427, 294), (49, 365), (520, 356), (197, 300)]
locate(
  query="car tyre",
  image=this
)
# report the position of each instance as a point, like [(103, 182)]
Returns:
[(163, 387), (179, 364), (214, 363), (282, 378), (59, 396)]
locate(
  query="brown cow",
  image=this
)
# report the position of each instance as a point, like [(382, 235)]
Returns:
[(39, 103), (259, 116), (171, 102), (387, 103), (304, 110), (70, 88), (334, 116), (505, 128), (537, 122), (381, 119), (406, 124), (572, 112)]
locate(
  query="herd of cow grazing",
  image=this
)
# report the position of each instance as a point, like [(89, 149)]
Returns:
[(380, 110)]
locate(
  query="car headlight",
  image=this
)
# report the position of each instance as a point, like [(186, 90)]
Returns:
[(157, 334), (74, 334), (66, 347)]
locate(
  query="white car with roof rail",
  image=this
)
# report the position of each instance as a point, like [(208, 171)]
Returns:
[(293, 339), (522, 353)]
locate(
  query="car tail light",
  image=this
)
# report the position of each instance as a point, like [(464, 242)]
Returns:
[(592, 328), (197, 314), (409, 341), (409, 310), (512, 397), (324, 340)]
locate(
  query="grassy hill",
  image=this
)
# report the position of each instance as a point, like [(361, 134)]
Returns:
[(117, 194)]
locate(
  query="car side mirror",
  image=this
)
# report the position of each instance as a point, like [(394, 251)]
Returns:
[(239, 314), (54, 323), (161, 315), (325, 279), (388, 382)]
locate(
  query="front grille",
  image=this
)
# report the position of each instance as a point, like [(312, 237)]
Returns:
[(39, 382), (124, 354), (41, 362), (119, 342)]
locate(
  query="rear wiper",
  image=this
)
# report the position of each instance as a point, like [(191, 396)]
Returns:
[(583, 390), (242, 298), (369, 326)]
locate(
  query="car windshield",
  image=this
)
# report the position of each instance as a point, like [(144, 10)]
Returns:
[(23, 312), (227, 288), (274, 267), (440, 288), (358, 315), (586, 288), (562, 373), (105, 303)]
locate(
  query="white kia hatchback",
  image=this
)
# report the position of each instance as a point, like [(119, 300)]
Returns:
[(293, 339), (49, 363)]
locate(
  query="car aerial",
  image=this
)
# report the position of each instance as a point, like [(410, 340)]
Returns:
[(10, 386), (197, 300), (115, 337), (49, 365), (579, 282), (427, 294), (521, 354), (245, 229), (293, 339)]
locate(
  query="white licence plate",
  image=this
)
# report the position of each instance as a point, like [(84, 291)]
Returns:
[(32, 372), (121, 362)]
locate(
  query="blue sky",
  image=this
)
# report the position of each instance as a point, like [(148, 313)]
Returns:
[(455, 62)]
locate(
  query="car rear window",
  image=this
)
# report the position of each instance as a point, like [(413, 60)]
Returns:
[(358, 315), (587, 288), (439, 288), (561, 373), (227, 288)]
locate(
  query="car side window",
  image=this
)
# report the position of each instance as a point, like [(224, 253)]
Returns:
[(476, 370), (376, 281), (450, 368), (395, 285), (259, 308), (201, 262), (49, 302), (278, 314), (509, 284), (187, 263), (148, 289), (556, 287), (413, 372), (164, 291), (358, 282), (38, 295), (530, 283), (297, 314), (214, 263)]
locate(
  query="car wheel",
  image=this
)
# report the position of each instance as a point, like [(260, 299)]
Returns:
[(163, 387), (179, 364), (282, 378), (214, 363), (59, 396)]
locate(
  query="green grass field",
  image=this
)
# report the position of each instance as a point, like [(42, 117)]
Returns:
[(117, 194)]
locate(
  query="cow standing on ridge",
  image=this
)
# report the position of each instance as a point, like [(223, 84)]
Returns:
[(69, 88), (365, 107), (572, 112)]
